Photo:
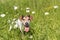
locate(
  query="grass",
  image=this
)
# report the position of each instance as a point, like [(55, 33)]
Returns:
[(43, 27)]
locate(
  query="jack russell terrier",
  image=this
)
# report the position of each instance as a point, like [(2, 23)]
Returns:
[(24, 21)]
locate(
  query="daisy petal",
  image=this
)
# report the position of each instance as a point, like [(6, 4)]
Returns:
[(2, 15)]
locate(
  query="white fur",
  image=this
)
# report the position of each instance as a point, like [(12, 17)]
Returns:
[(18, 24)]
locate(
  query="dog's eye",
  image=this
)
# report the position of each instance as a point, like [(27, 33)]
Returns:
[(23, 19), (28, 19)]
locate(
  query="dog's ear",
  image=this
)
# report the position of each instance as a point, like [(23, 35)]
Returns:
[(21, 17), (30, 17)]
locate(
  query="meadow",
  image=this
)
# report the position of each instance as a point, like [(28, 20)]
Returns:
[(44, 26)]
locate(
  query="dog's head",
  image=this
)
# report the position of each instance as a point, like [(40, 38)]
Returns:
[(26, 20)]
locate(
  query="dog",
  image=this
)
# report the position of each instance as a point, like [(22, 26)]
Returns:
[(23, 21)]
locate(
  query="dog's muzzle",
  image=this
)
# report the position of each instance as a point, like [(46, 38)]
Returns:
[(26, 24)]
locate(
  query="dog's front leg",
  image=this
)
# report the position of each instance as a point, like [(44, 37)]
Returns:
[(20, 27)]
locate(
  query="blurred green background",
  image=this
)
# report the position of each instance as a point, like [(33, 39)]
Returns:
[(43, 26)]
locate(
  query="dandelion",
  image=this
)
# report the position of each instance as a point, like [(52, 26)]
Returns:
[(33, 12), (46, 13), (2, 15), (15, 7), (55, 6)]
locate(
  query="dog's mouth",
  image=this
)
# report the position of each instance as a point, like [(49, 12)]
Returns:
[(26, 27)]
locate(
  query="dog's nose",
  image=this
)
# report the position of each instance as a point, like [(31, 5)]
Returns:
[(26, 24)]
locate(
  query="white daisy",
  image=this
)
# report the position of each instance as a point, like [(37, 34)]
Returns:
[(2, 15), (15, 7), (31, 36), (55, 6), (27, 11), (46, 13), (27, 8), (33, 12)]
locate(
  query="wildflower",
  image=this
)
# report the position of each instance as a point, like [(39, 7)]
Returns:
[(27, 11), (31, 36), (55, 6), (15, 7), (46, 13), (27, 8), (33, 12), (2, 15)]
